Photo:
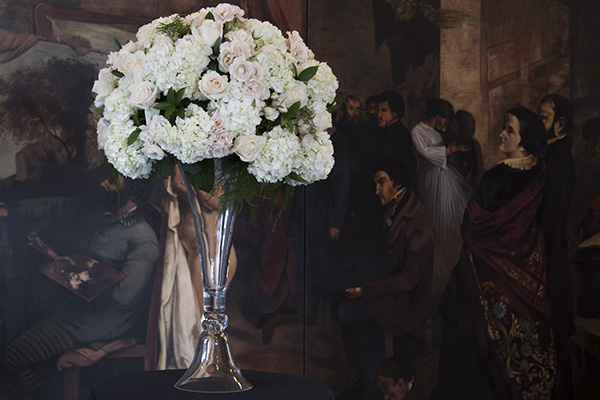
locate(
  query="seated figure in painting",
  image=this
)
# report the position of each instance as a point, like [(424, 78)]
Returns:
[(125, 242), (497, 338)]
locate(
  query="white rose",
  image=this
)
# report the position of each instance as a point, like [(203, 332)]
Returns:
[(150, 113), (213, 85), (322, 121), (241, 70), (247, 147), (270, 113), (295, 93), (255, 88), (145, 30), (218, 122), (226, 12), (128, 62), (226, 57), (131, 47), (209, 32), (153, 152), (156, 126), (104, 85), (239, 35), (102, 131), (300, 52), (143, 95)]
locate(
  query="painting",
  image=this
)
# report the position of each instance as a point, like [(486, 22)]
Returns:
[(305, 283)]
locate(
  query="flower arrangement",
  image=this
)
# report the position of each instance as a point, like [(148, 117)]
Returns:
[(214, 85)]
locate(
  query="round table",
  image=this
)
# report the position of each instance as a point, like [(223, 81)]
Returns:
[(158, 385)]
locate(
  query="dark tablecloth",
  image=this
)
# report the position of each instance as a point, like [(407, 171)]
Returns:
[(158, 385)]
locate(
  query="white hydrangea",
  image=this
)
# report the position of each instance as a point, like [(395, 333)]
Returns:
[(190, 140), (265, 33), (242, 112), (323, 86), (129, 160), (315, 160), (277, 69), (277, 157), (116, 104)]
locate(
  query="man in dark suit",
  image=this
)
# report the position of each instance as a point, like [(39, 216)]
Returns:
[(399, 288)]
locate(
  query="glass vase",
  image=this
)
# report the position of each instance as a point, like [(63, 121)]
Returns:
[(213, 368)]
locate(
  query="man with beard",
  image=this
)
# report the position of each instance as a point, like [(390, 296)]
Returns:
[(556, 113), (126, 242)]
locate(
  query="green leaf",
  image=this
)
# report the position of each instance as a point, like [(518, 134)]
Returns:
[(179, 96), (169, 111), (133, 137), (181, 113), (297, 178), (210, 16), (165, 167), (293, 109), (117, 44), (116, 73), (295, 69), (333, 106), (171, 96), (96, 110), (163, 105), (307, 73), (136, 119), (201, 175), (217, 47), (214, 65)]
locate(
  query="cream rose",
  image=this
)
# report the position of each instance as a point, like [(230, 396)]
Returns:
[(241, 50), (294, 94), (128, 62), (209, 32), (247, 147), (153, 152), (239, 35), (103, 86), (241, 70), (213, 85), (156, 126), (256, 89), (322, 121), (226, 57), (270, 113), (143, 95), (102, 131), (226, 12)]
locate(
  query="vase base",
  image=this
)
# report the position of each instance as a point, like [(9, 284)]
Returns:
[(213, 369)]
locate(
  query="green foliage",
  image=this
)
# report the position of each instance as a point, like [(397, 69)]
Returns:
[(117, 73), (133, 137), (96, 110), (307, 73), (200, 175), (175, 29), (117, 44), (173, 105)]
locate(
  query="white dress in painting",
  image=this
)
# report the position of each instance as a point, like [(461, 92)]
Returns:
[(445, 193)]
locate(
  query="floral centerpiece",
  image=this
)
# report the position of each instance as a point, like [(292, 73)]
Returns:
[(229, 100), (215, 85)]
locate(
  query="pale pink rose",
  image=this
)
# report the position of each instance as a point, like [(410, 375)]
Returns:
[(156, 126), (223, 136), (102, 131), (218, 122), (239, 35), (143, 95), (241, 70), (257, 71), (247, 147), (213, 85), (300, 52), (256, 89), (220, 150), (241, 50), (307, 141), (226, 57), (226, 12)]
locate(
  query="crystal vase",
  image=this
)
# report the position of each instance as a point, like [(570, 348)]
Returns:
[(213, 368)]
